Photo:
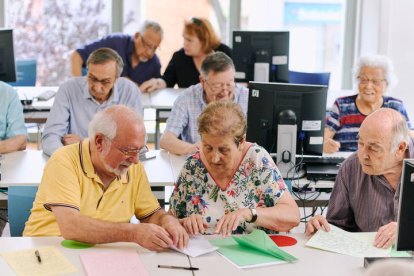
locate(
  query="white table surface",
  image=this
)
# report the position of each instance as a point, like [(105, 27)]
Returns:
[(151, 260), (22, 168), (311, 262), (25, 168), (164, 98)]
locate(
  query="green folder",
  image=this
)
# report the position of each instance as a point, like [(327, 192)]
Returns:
[(254, 249)]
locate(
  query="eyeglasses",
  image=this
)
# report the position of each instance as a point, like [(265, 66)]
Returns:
[(129, 151), (148, 46), (104, 82), (219, 86), (365, 81)]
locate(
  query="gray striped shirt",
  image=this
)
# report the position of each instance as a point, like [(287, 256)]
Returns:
[(362, 202)]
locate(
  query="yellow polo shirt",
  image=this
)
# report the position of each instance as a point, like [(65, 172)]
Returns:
[(69, 179)]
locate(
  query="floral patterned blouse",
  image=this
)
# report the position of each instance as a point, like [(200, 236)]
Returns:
[(256, 183)]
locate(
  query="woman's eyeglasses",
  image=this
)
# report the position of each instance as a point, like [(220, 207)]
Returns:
[(365, 81)]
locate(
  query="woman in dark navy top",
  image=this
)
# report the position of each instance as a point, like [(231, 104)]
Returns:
[(184, 66)]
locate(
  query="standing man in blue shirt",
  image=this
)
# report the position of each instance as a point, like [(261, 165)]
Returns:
[(137, 52), (13, 133), (78, 99)]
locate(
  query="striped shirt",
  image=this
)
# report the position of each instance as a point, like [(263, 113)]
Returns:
[(362, 202), (345, 119), (188, 107)]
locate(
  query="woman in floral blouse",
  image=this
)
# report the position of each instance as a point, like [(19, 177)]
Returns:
[(230, 185)]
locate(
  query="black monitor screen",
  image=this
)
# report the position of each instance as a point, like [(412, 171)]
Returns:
[(268, 100), (405, 240), (7, 66), (261, 56)]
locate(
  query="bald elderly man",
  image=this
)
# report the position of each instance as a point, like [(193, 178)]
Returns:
[(365, 197)]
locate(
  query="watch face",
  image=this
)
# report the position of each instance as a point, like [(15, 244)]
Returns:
[(254, 215)]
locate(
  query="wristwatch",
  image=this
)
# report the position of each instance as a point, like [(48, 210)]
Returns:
[(254, 215)]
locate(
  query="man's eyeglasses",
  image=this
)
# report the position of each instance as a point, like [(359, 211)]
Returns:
[(219, 86), (365, 81), (104, 82), (148, 46), (129, 151)]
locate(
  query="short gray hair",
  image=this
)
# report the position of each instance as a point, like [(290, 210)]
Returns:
[(379, 61), (103, 123), (106, 121), (103, 55), (216, 62), (155, 26)]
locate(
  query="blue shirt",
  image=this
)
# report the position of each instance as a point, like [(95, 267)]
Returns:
[(11, 113), (74, 108), (124, 46), (188, 107)]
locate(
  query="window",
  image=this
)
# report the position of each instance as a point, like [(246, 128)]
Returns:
[(171, 15), (49, 30), (316, 31)]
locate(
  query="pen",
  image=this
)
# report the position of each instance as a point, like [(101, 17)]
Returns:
[(38, 256), (178, 267)]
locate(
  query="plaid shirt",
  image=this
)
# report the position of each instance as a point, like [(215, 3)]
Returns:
[(189, 105)]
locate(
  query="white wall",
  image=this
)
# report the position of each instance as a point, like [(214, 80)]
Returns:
[(387, 27), (400, 48)]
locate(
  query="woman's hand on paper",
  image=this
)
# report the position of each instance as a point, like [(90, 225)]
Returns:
[(194, 224)]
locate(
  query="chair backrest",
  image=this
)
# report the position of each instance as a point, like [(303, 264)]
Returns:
[(25, 73), (309, 78), (20, 202)]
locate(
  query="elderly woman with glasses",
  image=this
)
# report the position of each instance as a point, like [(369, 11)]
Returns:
[(231, 186), (184, 66), (374, 75)]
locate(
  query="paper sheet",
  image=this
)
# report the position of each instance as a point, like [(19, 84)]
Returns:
[(197, 246), (24, 262), (353, 244), (112, 263)]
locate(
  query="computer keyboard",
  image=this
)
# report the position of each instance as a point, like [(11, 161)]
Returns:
[(321, 160)]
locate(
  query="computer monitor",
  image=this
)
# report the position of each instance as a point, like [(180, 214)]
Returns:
[(261, 56), (405, 232), (7, 65), (269, 103)]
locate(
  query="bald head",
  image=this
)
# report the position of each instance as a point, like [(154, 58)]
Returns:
[(382, 143), (115, 120), (388, 125)]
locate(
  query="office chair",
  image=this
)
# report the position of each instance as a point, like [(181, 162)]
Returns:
[(25, 73), (20, 202), (309, 78)]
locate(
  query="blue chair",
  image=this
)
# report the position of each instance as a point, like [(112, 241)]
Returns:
[(20, 202), (25, 73), (309, 78)]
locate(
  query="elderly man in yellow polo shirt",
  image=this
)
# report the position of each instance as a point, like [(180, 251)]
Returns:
[(90, 190)]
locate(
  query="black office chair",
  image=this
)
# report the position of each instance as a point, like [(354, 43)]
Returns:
[(309, 78)]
